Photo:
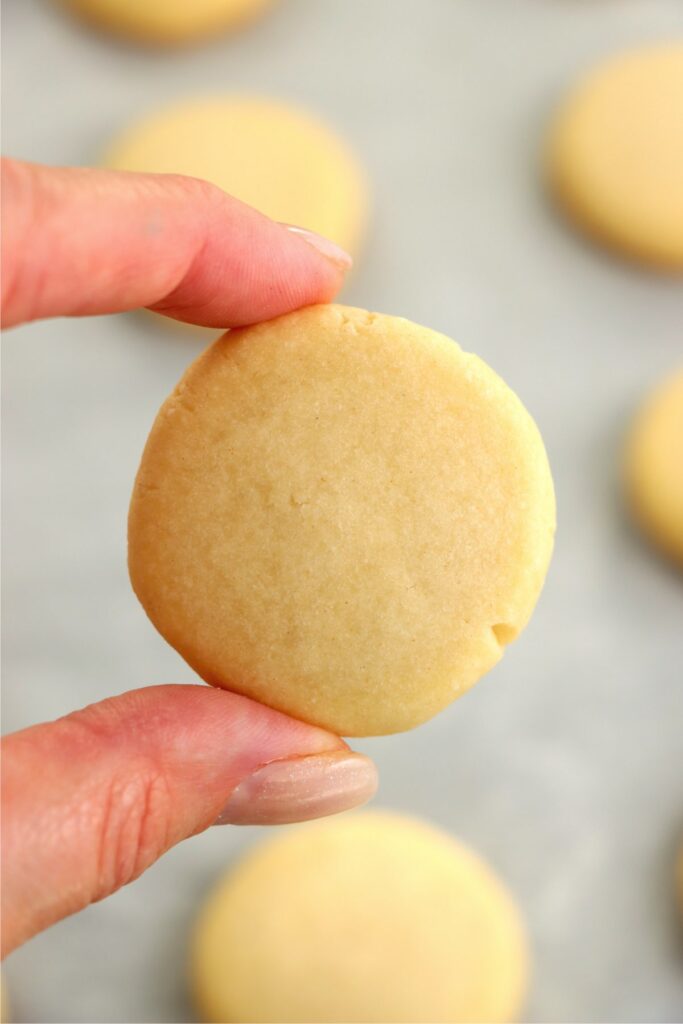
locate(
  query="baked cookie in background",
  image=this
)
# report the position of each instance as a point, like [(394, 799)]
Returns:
[(362, 917), (167, 22), (654, 466), (281, 160), (615, 154), (342, 515)]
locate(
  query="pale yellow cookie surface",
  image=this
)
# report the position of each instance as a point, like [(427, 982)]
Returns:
[(342, 515), (654, 466), (616, 154), (279, 159), (368, 917), (167, 21)]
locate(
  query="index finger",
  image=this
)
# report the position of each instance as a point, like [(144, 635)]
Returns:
[(78, 242)]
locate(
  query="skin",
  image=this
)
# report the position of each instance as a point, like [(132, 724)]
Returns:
[(93, 799)]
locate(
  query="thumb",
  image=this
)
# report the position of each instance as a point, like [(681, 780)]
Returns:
[(91, 800)]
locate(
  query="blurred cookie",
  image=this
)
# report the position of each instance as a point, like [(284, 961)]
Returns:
[(616, 154), (167, 22), (369, 917), (284, 162), (342, 515), (654, 466)]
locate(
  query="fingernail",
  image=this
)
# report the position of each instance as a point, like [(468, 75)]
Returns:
[(301, 788), (330, 250)]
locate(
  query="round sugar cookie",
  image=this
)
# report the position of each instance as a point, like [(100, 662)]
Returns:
[(616, 154), (363, 917), (654, 466), (342, 515), (167, 22), (281, 160)]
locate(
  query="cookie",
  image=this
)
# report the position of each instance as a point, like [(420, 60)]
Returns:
[(167, 22), (342, 515), (365, 917), (286, 163), (616, 154), (654, 466)]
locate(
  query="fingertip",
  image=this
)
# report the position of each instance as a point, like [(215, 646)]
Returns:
[(250, 269)]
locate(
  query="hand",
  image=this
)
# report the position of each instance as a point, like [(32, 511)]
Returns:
[(92, 800)]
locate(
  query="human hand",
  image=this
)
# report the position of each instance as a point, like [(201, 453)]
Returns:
[(92, 800)]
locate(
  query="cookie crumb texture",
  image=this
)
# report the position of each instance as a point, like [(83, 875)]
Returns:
[(342, 515), (616, 154), (654, 466), (167, 22), (370, 917)]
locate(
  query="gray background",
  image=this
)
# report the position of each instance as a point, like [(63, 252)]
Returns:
[(564, 766)]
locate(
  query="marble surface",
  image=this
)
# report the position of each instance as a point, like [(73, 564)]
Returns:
[(564, 767)]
